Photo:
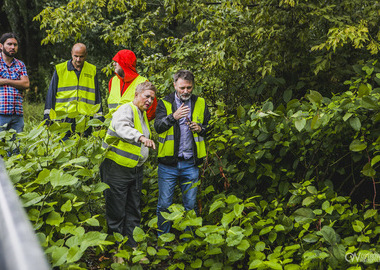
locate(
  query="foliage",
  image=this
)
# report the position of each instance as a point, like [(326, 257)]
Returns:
[(271, 193), (240, 51)]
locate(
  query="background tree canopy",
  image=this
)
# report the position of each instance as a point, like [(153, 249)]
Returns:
[(241, 51)]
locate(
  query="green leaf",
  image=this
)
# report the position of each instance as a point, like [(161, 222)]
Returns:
[(59, 255), (292, 267), (59, 178), (54, 219), (266, 230), (303, 215), (238, 209), (240, 112), (67, 206), (314, 97), (358, 226), (375, 160), (355, 123), (93, 238), (255, 264), (310, 238), (31, 198), (138, 234), (92, 222), (227, 218), (196, 264), (357, 146), (214, 239), (260, 246), (368, 170), (307, 201), (300, 124), (167, 237), (99, 188), (216, 205), (329, 235), (234, 236), (370, 213), (151, 251), (273, 265), (74, 254), (347, 116), (244, 245)]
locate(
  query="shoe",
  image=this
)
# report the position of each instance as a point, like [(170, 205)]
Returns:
[(119, 260)]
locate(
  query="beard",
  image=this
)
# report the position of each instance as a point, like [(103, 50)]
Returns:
[(184, 97), (8, 53), (120, 72)]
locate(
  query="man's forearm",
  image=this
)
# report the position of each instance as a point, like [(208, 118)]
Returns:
[(21, 84)]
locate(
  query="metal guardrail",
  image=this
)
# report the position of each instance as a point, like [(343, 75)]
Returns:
[(19, 247)]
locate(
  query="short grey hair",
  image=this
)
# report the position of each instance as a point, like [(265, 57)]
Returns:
[(184, 74), (145, 86)]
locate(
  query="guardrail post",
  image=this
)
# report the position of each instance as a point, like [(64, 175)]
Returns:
[(19, 246)]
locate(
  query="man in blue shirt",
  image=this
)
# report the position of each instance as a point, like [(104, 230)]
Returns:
[(181, 122)]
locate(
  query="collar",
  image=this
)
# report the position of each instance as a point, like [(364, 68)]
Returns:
[(2, 60), (70, 66)]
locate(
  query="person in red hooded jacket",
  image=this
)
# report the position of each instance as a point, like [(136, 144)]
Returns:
[(122, 86)]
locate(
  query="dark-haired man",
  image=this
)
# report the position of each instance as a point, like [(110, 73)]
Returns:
[(181, 123), (13, 80)]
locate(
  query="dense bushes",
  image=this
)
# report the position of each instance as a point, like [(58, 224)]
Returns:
[(272, 192)]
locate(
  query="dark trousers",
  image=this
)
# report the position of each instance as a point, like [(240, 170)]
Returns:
[(122, 198)]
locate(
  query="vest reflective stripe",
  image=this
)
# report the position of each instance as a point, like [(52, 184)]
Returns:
[(71, 89), (198, 117), (166, 139), (122, 152), (115, 98)]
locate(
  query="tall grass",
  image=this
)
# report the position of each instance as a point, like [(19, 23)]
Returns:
[(33, 114)]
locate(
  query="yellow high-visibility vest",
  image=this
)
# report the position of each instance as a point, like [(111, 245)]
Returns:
[(125, 153), (115, 99), (70, 89), (166, 139)]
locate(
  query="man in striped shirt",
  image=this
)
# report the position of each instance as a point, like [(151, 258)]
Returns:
[(13, 80)]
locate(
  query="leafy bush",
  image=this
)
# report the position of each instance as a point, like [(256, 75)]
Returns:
[(273, 190)]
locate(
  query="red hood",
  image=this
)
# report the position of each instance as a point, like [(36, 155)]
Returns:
[(127, 60)]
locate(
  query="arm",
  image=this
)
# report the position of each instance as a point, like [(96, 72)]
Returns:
[(122, 123), (163, 121), (98, 99), (201, 129), (51, 95), (21, 84)]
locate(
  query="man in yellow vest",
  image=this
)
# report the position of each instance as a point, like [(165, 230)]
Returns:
[(122, 86), (181, 122), (74, 80), (127, 143)]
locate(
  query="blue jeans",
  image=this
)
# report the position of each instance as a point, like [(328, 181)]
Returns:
[(15, 122), (187, 174)]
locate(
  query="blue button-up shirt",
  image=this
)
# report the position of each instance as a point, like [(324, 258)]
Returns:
[(186, 136)]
